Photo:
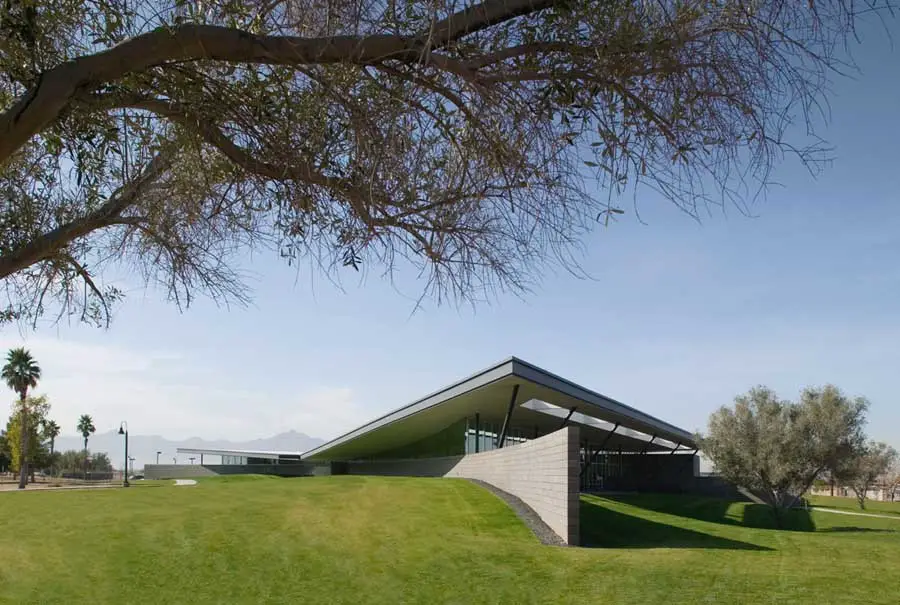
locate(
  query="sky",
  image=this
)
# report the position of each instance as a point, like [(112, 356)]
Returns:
[(677, 318)]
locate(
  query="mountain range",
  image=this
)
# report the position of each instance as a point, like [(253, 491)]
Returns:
[(143, 448)]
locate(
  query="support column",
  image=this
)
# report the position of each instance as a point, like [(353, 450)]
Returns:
[(509, 411), (589, 459), (201, 458), (566, 419), (646, 447), (675, 449), (477, 435)]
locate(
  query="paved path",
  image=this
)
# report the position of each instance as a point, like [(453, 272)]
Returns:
[(185, 482), (850, 512)]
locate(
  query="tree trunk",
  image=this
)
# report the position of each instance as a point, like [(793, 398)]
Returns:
[(832, 487), (23, 445), (861, 496)]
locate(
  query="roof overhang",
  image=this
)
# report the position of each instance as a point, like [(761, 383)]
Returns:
[(248, 453), (488, 393)]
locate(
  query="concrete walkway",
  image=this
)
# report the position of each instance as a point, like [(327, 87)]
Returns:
[(850, 512), (185, 482)]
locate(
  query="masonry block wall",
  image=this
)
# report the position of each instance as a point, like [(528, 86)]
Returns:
[(543, 473)]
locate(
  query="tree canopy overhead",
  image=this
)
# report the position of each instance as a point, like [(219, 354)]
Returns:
[(467, 138)]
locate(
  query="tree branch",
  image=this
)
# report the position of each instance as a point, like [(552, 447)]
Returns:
[(49, 243), (55, 88)]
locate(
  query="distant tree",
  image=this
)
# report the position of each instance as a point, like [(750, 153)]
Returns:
[(778, 448), (37, 410), (4, 453), (86, 427), (862, 471), (892, 480), (75, 460), (21, 373), (51, 431)]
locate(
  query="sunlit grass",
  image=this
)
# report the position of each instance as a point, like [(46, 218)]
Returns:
[(395, 540)]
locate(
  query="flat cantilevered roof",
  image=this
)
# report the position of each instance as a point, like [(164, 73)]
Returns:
[(248, 453), (543, 400)]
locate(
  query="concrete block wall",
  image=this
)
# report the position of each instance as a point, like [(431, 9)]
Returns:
[(543, 473)]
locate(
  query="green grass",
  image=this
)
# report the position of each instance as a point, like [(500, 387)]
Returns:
[(396, 540), (872, 506)]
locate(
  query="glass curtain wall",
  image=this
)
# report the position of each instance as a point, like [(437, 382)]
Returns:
[(488, 436), (603, 467)]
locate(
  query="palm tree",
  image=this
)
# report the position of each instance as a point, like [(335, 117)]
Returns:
[(21, 373), (51, 432), (86, 428)]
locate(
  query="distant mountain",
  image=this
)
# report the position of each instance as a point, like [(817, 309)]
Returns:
[(144, 447)]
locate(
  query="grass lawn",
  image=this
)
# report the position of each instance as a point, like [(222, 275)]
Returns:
[(872, 506), (395, 540)]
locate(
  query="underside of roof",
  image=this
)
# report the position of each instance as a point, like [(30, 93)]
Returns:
[(543, 401), (247, 453)]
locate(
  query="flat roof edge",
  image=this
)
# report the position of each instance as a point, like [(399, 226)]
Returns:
[(228, 452), (495, 372), (528, 370)]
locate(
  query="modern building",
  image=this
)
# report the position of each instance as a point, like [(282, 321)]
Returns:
[(243, 457), (526, 431)]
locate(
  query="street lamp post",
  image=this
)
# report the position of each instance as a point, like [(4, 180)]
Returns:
[(123, 430), (157, 457)]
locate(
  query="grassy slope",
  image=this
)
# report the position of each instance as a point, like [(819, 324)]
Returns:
[(391, 540), (872, 506)]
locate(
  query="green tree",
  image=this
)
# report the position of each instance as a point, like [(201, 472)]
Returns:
[(21, 372), (74, 461), (5, 458), (38, 408), (475, 143), (862, 471), (51, 431), (778, 448), (86, 427)]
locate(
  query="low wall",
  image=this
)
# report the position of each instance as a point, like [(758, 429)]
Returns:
[(543, 473), (193, 471)]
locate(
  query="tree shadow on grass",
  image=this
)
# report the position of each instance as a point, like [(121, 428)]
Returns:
[(860, 530), (602, 527), (718, 510)]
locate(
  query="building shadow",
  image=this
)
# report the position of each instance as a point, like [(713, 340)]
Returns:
[(719, 510), (602, 527)]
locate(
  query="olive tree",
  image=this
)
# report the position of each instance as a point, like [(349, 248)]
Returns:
[(777, 448), (864, 470), (474, 140)]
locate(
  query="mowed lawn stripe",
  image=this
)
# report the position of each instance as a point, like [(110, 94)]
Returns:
[(403, 540)]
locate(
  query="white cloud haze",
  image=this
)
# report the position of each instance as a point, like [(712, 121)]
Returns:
[(169, 393)]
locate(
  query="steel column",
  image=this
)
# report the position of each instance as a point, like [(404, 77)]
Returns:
[(566, 419), (477, 436), (590, 459), (674, 449), (509, 411), (646, 447)]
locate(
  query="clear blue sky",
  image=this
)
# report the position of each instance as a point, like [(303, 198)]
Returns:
[(679, 318)]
